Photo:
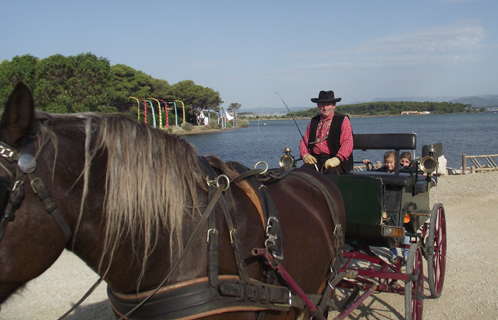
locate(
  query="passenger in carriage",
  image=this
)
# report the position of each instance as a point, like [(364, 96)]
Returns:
[(405, 158), (327, 144), (389, 166)]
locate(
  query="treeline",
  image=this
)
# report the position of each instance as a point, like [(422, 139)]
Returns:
[(89, 83), (384, 108)]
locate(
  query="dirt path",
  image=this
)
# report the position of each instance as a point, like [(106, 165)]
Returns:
[(470, 289)]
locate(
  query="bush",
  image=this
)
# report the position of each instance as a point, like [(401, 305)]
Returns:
[(242, 123), (187, 126)]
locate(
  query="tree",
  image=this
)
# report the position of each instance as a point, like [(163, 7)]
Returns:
[(21, 68), (73, 84), (195, 98), (234, 106)]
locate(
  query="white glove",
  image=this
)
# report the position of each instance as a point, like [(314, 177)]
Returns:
[(332, 162), (309, 159)]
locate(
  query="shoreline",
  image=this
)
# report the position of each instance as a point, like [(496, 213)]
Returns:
[(200, 130)]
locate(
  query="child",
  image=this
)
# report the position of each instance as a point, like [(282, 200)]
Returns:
[(405, 159), (389, 162), (389, 166)]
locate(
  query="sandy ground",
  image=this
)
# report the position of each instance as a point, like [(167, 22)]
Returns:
[(470, 288)]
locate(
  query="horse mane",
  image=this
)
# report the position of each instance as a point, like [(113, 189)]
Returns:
[(150, 184)]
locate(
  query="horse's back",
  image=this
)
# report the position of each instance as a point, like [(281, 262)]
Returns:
[(307, 223)]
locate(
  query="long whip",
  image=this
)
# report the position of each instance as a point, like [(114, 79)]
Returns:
[(287, 110)]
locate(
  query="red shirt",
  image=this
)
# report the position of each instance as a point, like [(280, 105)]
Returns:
[(346, 139)]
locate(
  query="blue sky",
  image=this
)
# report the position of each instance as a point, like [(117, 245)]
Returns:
[(246, 50)]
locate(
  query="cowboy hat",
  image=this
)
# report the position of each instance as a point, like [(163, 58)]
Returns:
[(325, 96)]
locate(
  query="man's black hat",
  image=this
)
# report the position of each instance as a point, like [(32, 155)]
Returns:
[(325, 96)]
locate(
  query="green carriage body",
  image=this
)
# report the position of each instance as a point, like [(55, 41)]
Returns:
[(374, 200), (367, 195)]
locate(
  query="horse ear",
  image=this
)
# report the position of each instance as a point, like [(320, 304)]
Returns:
[(17, 118)]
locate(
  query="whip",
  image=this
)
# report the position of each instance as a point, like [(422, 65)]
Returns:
[(302, 137)]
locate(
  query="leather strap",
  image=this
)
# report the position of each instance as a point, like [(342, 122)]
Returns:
[(50, 206), (207, 212)]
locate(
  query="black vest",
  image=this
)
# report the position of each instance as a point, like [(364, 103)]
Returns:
[(333, 140)]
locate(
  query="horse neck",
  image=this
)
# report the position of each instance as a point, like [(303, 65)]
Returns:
[(126, 249)]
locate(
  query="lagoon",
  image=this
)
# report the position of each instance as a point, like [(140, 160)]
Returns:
[(471, 134)]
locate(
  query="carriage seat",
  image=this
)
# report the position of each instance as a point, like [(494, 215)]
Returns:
[(402, 179), (390, 141), (385, 141)]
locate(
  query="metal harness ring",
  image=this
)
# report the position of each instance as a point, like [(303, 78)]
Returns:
[(261, 162), (224, 176)]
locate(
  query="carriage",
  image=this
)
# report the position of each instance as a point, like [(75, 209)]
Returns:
[(178, 236), (382, 210)]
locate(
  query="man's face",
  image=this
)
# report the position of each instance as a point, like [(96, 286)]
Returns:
[(326, 108)]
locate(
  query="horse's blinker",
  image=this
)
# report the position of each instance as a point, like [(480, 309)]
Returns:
[(27, 163)]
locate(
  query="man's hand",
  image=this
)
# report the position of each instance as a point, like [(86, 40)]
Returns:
[(332, 162), (309, 159)]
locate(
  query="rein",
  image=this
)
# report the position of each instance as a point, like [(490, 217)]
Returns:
[(215, 293)]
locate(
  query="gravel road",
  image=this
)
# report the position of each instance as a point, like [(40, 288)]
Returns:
[(470, 288)]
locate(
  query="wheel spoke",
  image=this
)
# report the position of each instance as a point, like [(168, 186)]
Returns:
[(414, 289), (437, 260)]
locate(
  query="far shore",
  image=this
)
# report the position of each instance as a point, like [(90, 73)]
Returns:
[(203, 129), (199, 130)]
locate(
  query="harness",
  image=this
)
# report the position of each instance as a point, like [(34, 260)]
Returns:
[(216, 293), (210, 295), (12, 192)]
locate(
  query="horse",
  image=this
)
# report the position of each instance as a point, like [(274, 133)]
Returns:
[(129, 200)]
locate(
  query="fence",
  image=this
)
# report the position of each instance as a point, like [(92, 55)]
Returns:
[(478, 163)]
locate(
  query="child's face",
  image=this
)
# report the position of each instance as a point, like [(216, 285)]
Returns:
[(390, 163), (404, 162)]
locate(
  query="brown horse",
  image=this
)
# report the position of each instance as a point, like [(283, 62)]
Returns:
[(126, 198)]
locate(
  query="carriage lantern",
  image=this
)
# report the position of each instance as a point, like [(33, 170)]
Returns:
[(287, 160)]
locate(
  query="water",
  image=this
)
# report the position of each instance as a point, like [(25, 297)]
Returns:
[(471, 134)]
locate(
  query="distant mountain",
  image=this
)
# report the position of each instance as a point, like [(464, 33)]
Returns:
[(419, 99), (479, 101)]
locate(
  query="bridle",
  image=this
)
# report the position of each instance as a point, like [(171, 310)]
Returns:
[(12, 191)]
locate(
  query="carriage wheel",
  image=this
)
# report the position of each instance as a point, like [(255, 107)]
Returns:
[(436, 257), (414, 290)]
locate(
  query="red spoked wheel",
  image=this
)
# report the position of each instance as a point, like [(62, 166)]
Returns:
[(414, 289), (436, 250)]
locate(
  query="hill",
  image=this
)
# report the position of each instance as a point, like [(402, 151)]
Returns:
[(479, 101)]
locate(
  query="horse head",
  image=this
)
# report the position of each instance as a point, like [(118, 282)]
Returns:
[(108, 196), (30, 242)]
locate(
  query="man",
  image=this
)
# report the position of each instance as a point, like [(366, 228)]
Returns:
[(327, 145)]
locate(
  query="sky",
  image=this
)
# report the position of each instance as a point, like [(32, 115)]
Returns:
[(247, 50)]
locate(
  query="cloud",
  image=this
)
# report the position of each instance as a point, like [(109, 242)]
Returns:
[(457, 37), (456, 43)]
